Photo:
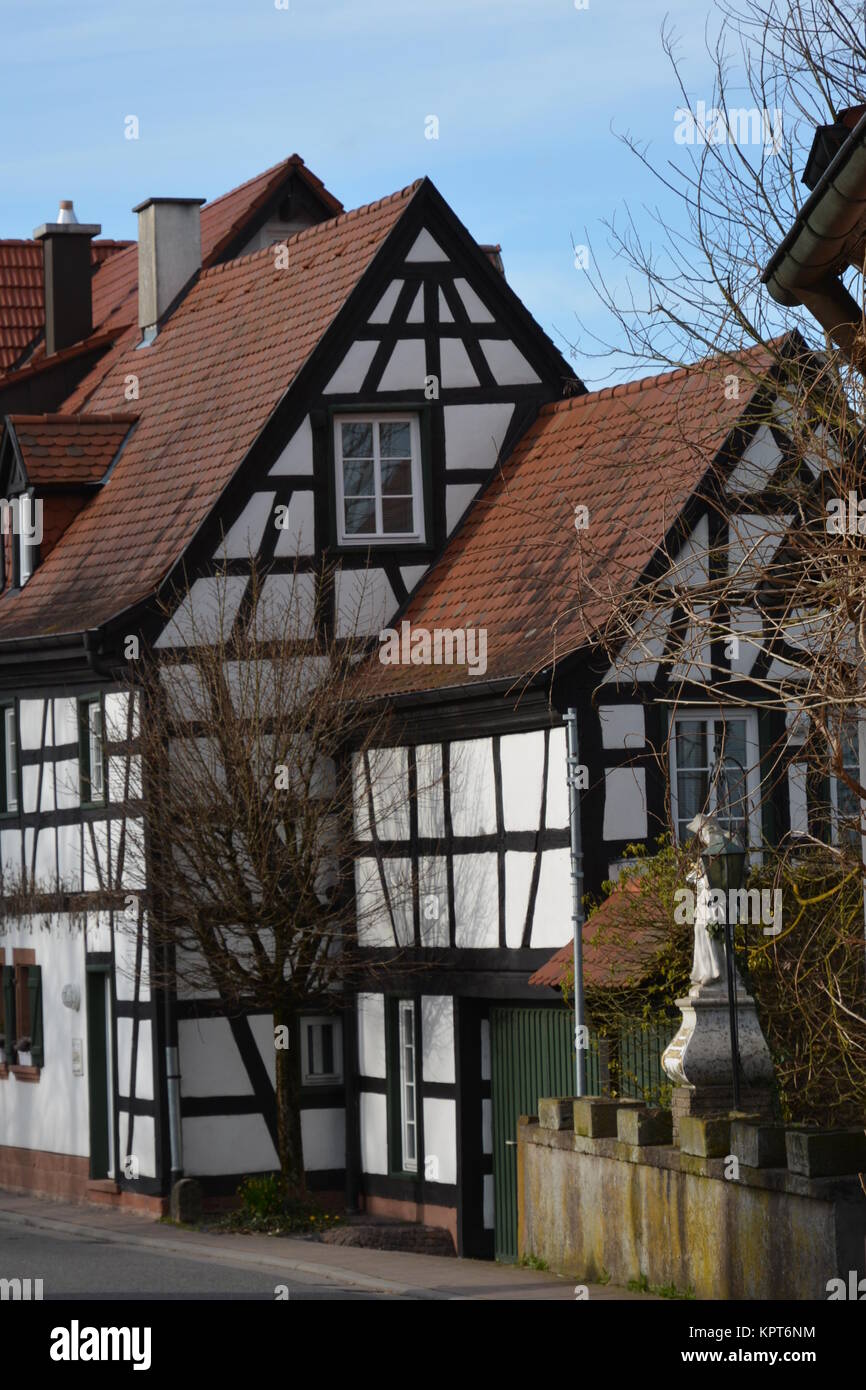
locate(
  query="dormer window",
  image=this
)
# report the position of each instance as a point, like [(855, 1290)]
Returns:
[(378, 483)]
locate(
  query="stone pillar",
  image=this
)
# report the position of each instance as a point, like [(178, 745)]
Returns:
[(698, 1059)]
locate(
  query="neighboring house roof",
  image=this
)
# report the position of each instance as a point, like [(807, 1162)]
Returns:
[(620, 942), (199, 416), (22, 293), (518, 568), (68, 449), (115, 289)]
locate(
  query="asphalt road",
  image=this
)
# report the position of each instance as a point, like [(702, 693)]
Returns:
[(85, 1267)]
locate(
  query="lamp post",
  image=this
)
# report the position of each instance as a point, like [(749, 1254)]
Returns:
[(724, 864)]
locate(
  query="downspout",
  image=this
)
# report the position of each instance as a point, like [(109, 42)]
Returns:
[(805, 267), (573, 776)]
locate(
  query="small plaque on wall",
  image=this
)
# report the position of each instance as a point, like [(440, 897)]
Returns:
[(77, 1057)]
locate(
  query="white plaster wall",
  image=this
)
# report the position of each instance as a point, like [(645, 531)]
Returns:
[(210, 1063), (323, 1136), (624, 803), (745, 624), (457, 370), (53, 1113), (507, 363), (519, 865), (378, 919), (474, 434), (425, 248), (262, 1028), (437, 1038), (211, 605), (551, 923), (350, 374), (30, 716), (457, 499), (433, 900), (299, 536), (143, 1143), (759, 462), (209, 1139), (385, 308), (440, 1138), (622, 726), (429, 797), (365, 602), (244, 538), (297, 456), (476, 900), (557, 811), (371, 1035), (474, 306), (473, 794), (374, 1133), (406, 367), (143, 1067), (522, 759)]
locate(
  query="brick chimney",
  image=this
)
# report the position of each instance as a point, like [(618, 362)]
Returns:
[(169, 254), (68, 276)]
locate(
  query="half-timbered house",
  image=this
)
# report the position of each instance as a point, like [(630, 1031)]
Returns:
[(672, 474), (359, 372)]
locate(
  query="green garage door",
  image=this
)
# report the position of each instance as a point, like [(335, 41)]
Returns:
[(532, 1056)]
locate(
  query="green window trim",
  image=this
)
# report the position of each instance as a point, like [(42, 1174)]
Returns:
[(394, 1088), (9, 1053)]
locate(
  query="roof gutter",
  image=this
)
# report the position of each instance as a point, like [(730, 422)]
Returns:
[(805, 267)]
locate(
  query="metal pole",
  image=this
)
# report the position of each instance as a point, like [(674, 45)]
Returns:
[(732, 1007), (573, 774)]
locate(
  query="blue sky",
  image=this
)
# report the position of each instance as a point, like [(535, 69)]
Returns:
[(525, 91)]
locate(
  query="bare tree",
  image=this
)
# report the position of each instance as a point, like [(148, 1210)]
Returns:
[(251, 741)]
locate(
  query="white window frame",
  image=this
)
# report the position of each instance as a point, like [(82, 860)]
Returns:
[(753, 768), (310, 1077), (96, 751), (408, 1077), (10, 757), (380, 537), (834, 783)]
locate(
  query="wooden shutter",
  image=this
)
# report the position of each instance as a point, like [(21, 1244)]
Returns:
[(9, 1013), (34, 986)]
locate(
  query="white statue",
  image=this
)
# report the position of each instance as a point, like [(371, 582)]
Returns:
[(708, 963)]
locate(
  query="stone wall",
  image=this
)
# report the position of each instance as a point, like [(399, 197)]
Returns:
[(603, 1192)]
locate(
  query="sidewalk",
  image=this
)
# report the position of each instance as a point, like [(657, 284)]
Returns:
[(419, 1276)]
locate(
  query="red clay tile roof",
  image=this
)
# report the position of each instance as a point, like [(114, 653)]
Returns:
[(115, 288), (633, 454), (63, 449), (619, 943), (199, 416), (22, 292)]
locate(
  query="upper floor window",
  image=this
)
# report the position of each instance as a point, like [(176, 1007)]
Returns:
[(715, 770), (9, 757), (379, 486), (91, 751)]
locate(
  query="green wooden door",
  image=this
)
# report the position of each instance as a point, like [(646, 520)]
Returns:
[(98, 1073), (532, 1057)]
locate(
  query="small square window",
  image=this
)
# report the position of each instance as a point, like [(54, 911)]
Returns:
[(379, 481), (321, 1049)]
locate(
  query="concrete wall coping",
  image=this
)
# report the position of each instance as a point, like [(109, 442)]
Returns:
[(669, 1156)]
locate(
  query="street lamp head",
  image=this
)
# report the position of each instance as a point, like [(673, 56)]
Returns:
[(722, 854)]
